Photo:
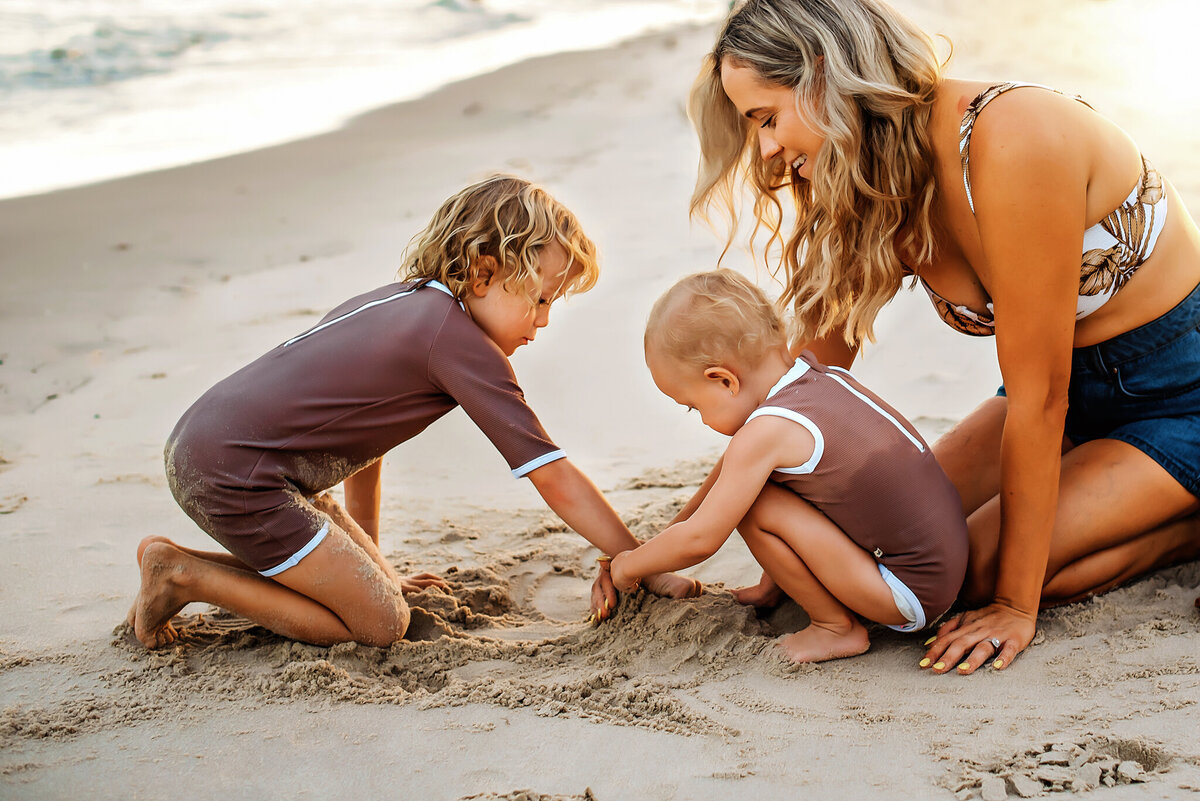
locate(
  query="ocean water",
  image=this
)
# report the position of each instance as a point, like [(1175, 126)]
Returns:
[(96, 89)]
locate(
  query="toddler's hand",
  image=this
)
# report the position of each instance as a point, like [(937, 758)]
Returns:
[(672, 585), (604, 594), (422, 580), (765, 593)]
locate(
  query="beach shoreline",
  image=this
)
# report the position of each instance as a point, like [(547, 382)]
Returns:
[(125, 300)]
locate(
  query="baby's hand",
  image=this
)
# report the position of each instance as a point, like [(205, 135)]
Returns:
[(672, 585), (765, 593), (620, 578)]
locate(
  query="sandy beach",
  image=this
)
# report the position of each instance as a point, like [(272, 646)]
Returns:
[(123, 301)]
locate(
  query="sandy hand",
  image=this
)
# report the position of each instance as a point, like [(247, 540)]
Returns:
[(604, 594), (410, 584), (764, 594)]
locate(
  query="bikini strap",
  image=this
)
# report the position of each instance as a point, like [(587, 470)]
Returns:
[(968, 124)]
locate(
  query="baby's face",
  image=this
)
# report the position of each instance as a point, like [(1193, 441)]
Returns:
[(721, 408), (512, 315)]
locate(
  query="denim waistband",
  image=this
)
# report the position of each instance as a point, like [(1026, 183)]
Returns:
[(1132, 344)]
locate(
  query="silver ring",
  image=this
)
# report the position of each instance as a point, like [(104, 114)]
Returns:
[(995, 643)]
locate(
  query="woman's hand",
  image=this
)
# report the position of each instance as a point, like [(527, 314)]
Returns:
[(995, 634), (764, 594)]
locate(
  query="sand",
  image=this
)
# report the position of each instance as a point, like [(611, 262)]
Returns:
[(123, 301)]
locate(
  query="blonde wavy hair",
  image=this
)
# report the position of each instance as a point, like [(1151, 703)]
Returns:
[(509, 219), (710, 319), (864, 77)]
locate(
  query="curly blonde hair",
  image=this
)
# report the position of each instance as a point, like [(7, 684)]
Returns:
[(713, 318), (864, 77), (508, 219)]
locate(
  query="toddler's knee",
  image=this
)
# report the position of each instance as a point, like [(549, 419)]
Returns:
[(389, 624)]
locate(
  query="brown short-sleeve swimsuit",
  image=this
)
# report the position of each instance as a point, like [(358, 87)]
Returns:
[(318, 408), (872, 474)]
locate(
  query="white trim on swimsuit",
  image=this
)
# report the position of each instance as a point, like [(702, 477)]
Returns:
[(295, 558), (906, 602)]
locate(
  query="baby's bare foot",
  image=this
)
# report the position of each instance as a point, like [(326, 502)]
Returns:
[(159, 599), (818, 643)]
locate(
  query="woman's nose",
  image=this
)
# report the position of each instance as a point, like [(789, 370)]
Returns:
[(767, 145)]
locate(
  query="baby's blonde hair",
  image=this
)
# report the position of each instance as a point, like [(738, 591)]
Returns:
[(865, 77), (715, 318), (508, 219)]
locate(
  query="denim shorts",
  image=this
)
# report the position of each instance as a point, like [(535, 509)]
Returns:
[(1143, 387)]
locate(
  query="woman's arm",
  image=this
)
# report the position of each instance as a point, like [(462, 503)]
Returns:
[(1030, 176), (363, 491)]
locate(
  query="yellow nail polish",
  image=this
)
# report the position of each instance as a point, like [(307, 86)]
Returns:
[(925, 662), (939, 666), (964, 666), (606, 606), (931, 639), (999, 663)]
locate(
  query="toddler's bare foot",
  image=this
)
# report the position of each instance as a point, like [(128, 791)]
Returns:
[(145, 543), (818, 642), (159, 599)]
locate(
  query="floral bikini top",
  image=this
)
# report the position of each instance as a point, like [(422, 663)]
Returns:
[(1113, 249)]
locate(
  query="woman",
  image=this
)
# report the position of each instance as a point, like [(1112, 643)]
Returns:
[(1025, 215)]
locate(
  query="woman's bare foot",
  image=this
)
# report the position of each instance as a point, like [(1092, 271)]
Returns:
[(159, 599), (820, 642)]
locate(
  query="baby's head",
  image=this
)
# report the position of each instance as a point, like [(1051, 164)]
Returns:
[(497, 228), (705, 335)]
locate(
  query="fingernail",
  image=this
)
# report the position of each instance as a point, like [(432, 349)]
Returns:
[(592, 618), (964, 666), (939, 666), (931, 639), (925, 662), (606, 606), (999, 663)]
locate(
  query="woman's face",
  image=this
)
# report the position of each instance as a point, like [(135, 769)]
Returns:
[(782, 133)]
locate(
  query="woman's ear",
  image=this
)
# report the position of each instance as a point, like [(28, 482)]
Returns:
[(725, 377), (484, 269)]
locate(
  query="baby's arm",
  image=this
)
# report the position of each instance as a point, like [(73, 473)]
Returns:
[(757, 449), (362, 497), (575, 499)]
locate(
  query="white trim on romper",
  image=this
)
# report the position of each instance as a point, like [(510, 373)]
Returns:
[(795, 371), (530, 466), (795, 417), (878, 408), (906, 602), (295, 558), (365, 306)]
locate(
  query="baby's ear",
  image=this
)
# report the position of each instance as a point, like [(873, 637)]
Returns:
[(726, 377)]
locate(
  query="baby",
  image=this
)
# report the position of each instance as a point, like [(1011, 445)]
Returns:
[(837, 496)]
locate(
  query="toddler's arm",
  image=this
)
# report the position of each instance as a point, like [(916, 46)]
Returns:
[(362, 498), (575, 499)]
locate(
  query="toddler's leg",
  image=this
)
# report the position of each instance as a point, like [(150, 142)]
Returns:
[(337, 593), (823, 570)]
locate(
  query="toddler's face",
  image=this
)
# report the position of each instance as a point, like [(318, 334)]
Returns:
[(511, 316), (691, 386)]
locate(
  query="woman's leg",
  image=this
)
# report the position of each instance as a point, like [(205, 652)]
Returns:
[(337, 593), (823, 570), (1120, 515)]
